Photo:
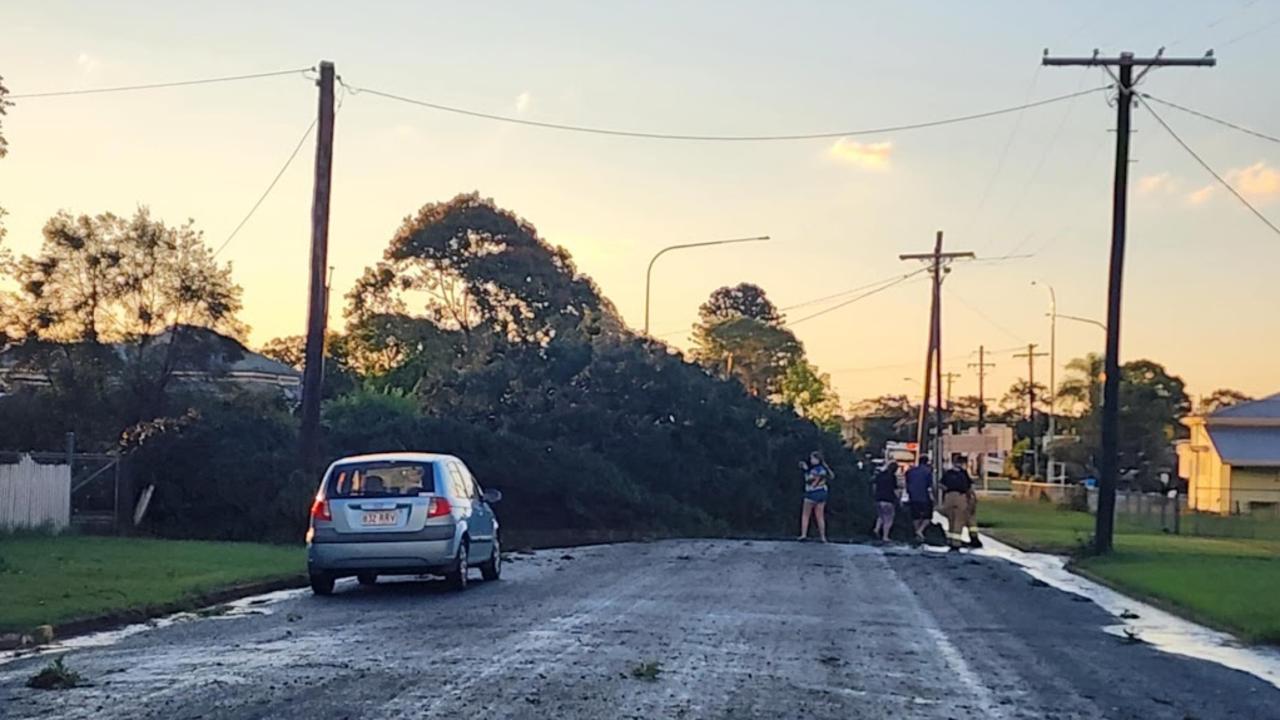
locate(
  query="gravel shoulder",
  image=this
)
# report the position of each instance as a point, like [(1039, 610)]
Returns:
[(672, 629)]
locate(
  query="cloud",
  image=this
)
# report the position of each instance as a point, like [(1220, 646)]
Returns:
[(522, 102), (1201, 196), (1150, 184), (87, 63), (1256, 182), (871, 156)]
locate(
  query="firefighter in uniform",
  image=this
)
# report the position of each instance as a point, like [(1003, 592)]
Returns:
[(957, 502)]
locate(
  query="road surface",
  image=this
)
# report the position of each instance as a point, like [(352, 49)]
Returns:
[(737, 629)]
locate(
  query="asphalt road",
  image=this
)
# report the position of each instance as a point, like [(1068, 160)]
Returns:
[(738, 629)]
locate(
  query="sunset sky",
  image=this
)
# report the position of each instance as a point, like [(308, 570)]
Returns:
[(1202, 286)]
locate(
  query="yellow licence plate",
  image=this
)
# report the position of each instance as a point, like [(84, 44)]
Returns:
[(379, 517)]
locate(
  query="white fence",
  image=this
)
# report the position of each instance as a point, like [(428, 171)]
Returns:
[(33, 495)]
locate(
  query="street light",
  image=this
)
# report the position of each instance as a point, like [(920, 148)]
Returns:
[(1053, 369), (648, 277), (1085, 320)]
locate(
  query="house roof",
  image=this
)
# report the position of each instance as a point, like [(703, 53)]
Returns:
[(1247, 446), (1266, 408)]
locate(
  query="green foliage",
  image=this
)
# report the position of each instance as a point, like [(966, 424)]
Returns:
[(1223, 398), (876, 421), (227, 472), (1151, 403), (811, 394), (55, 676), (740, 334)]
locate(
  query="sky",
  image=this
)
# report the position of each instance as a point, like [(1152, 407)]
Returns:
[(1029, 192)]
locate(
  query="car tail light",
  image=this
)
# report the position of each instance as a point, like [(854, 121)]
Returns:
[(438, 507), (320, 510)]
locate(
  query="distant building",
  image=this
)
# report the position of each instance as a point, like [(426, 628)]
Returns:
[(202, 358), (1231, 462)]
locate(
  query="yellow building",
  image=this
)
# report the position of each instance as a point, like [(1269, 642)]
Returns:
[(1232, 460)]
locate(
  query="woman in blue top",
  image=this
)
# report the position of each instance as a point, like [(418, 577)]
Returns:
[(817, 475)]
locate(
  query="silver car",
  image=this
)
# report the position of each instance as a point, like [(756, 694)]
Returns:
[(401, 514)]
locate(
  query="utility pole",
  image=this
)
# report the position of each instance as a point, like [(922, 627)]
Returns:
[(1031, 356), (317, 305), (939, 262), (1125, 82), (982, 366), (950, 377)]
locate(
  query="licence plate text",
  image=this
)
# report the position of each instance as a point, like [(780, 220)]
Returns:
[(379, 517)]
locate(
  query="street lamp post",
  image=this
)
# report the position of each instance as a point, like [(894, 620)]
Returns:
[(1053, 369), (648, 277), (1085, 320)]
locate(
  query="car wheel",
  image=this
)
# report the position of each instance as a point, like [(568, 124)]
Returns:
[(322, 583), (367, 578), (457, 579), (491, 569)]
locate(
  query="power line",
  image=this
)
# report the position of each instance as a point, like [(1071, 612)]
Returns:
[(1211, 118), (155, 86), (301, 141), (717, 138), (1004, 152), (850, 301), (851, 291), (1205, 165), (974, 309)]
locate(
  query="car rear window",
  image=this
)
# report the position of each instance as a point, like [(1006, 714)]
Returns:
[(380, 479)]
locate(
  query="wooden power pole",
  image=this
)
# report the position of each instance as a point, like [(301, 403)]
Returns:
[(317, 295), (1125, 83), (982, 366), (1031, 356), (938, 261)]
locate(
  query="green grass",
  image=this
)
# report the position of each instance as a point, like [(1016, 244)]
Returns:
[(1228, 582), (51, 580)]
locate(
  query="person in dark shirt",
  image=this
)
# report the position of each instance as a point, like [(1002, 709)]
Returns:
[(920, 496), (957, 492), (886, 489)]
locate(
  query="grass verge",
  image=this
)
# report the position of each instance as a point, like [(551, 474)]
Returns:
[(55, 580), (1226, 582)]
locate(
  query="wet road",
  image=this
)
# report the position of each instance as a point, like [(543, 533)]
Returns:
[(737, 630)]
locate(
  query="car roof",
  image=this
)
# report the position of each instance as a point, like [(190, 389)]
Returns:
[(394, 457)]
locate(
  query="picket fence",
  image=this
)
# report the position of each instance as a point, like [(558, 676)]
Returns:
[(34, 495)]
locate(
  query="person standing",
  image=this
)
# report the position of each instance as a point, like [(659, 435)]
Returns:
[(886, 494), (920, 496), (957, 496), (817, 476)]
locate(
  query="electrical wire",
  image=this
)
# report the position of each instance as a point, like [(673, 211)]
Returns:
[(856, 298), (851, 291), (155, 86), (974, 309), (1004, 153), (1207, 168), (716, 138), (271, 186), (1210, 118)]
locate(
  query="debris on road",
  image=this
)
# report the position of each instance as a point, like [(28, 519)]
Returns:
[(55, 676), (647, 671)]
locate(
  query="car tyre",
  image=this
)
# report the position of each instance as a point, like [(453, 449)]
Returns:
[(322, 583), (491, 569), (367, 578), (457, 579)]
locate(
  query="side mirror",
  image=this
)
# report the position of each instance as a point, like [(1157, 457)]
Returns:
[(492, 496)]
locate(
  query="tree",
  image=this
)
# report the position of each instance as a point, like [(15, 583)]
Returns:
[(811, 395), (466, 264), (740, 334), (876, 421), (1015, 400), (123, 298), (1152, 401), (5, 104), (339, 377), (1222, 398), (742, 300)]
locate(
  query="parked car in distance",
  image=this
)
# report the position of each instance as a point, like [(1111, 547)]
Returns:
[(401, 514)]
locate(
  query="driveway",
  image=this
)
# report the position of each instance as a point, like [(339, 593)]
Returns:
[(674, 629)]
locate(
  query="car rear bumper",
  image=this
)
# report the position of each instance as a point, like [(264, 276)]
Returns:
[(401, 557)]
